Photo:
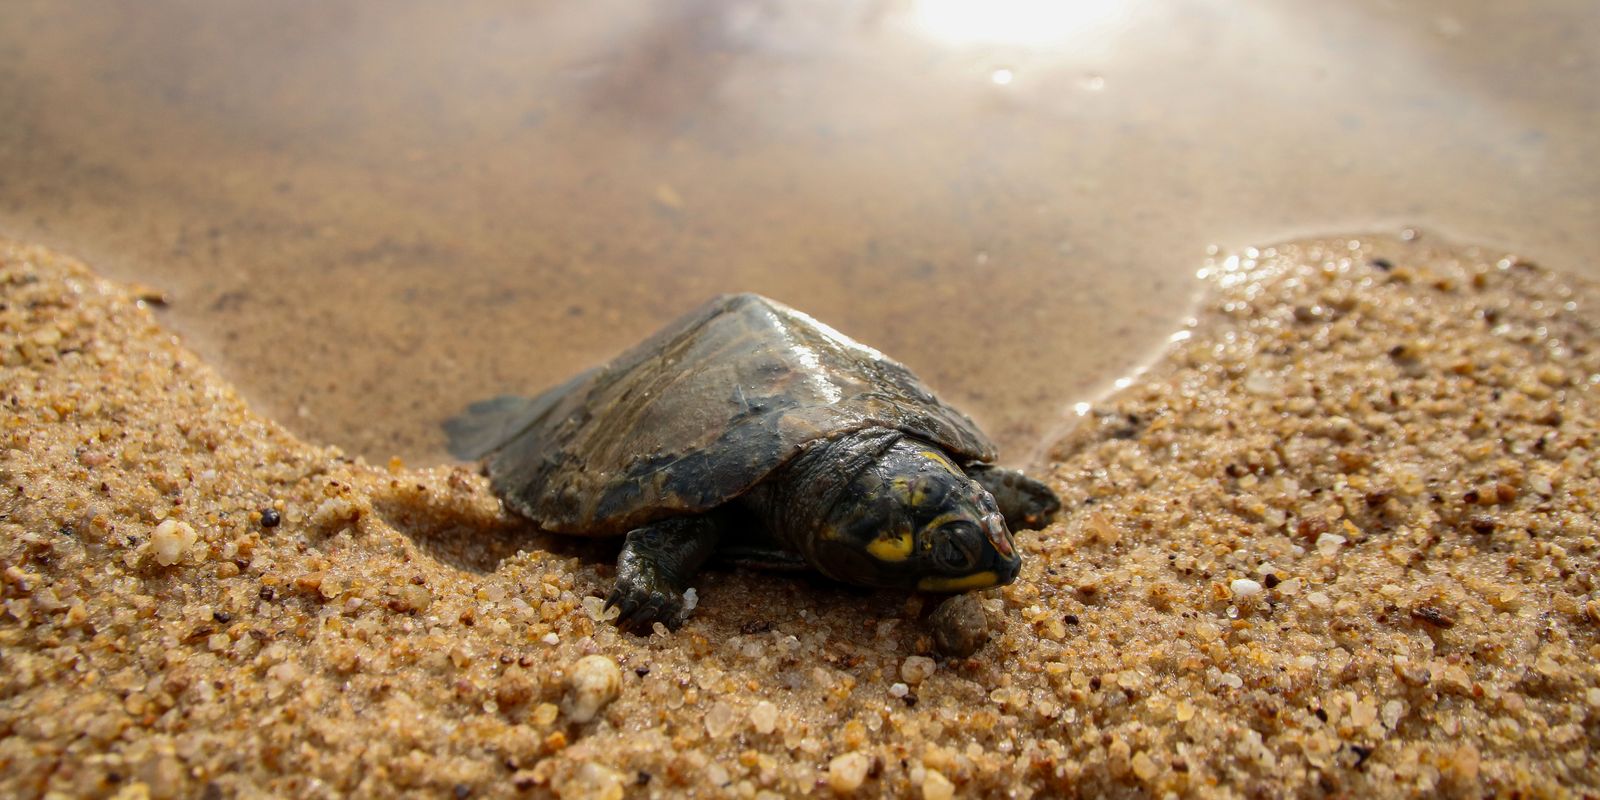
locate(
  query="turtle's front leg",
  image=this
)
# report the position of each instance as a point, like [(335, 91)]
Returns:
[(1024, 502), (654, 569)]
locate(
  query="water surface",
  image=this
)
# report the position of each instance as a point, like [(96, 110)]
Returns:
[(368, 214)]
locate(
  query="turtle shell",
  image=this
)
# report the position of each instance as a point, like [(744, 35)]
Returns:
[(694, 416)]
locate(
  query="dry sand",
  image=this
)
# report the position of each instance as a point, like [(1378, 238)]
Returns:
[(1341, 541)]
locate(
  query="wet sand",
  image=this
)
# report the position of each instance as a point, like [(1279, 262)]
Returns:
[(1340, 540), (367, 215)]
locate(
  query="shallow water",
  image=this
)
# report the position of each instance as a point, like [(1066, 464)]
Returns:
[(369, 214)]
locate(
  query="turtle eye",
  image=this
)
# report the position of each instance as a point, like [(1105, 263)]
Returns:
[(956, 548)]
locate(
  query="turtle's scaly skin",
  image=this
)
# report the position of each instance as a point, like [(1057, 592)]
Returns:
[(696, 415)]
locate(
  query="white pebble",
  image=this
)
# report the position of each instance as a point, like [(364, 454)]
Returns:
[(917, 669), (846, 773), (1319, 599), (1260, 383), (719, 720), (596, 608), (171, 540), (596, 681), (590, 782), (691, 598), (764, 717), (1244, 587), (935, 786), (1328, 544), (899, 690), (1392, 712)]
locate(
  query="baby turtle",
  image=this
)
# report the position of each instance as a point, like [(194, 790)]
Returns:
[(751, 430)]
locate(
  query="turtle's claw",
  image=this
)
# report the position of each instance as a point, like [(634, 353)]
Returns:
[(641, 607)]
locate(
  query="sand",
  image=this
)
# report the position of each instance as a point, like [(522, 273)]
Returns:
[(1340, 541)]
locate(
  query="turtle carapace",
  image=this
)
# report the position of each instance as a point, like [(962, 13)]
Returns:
[(749, 429)]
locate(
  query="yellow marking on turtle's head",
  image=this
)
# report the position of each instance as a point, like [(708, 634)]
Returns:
[(891, 547), (910, 492), (977, 580), (942, 460)]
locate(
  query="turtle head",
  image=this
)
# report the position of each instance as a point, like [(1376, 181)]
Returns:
[(913, 519)]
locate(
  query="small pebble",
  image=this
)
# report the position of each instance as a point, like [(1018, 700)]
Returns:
[(1328, 544), (935, 786), (916, 669), (414, 598), (1144, 767), (596, 608), (764, 717), (960, 625), (270, 518), (1244, 587), (591, 781), (596, 681), (846, 773), (1392, 712), (171, 540), (719, 720)]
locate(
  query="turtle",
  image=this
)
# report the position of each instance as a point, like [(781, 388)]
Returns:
[(750, 430)]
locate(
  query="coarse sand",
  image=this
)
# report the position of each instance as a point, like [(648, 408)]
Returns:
[(1341, 540)]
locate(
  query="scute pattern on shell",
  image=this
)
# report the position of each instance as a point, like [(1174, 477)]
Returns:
[(697, 414)]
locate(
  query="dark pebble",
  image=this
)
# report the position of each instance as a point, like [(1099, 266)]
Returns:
[(1432, 616), (1382, 263), (270, 518)]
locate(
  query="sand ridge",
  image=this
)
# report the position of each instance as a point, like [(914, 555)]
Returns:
[(1342, 540)]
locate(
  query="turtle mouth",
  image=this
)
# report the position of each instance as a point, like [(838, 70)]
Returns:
[(965, 583), (1002, 571)]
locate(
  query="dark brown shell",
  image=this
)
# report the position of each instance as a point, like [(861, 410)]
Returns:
[(696, 415)]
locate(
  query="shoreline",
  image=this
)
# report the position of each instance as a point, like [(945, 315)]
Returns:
[(1342, 539)]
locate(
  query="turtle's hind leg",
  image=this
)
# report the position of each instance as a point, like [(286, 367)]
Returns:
[(1024, 502), (654, 569)]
